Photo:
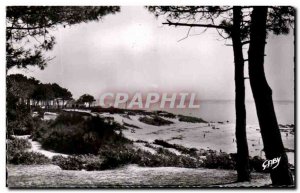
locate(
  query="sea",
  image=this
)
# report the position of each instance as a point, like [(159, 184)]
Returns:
[(224, 111)]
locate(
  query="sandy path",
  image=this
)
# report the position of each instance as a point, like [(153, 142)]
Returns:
[(129, 176), (37, 147)]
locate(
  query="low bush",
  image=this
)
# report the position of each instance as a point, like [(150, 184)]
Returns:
[(155, 120), (219, 161), (41, 128), (78, 162), (68, 163), (17, 144), (14, 146), (28, 158), (23, 124), (108, 158), (114, 157), (130, 125), (189, 119), (69, 118), (180, 148), (16, 153), (141, 141), (165, 114), (118, 156), (165, 158), (256, 164), (72, 133)]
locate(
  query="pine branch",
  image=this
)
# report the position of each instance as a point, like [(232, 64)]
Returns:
[(196, 25)]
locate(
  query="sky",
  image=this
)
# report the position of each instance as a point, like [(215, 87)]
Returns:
[(132, 51)]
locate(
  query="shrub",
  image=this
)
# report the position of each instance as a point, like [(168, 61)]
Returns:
[(165, 158), (20, 120), (17, 117), (220, 161), (74, 134), (69, 163), (28, 158), (16, 153), (96, 164), (117, 157), (17, 144), (256, 163), (111, 157), (165, 114), (131, 113), (190, 119), (23, 125), (14, 146), (130, 125), (17, 128), (41, 128), (78, 162), (141, 141), (108, 158), (155, 120), (180, 148)]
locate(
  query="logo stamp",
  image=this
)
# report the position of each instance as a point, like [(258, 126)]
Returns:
[(273, 163)]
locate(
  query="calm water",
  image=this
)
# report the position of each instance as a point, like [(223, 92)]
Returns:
[(225, 110)]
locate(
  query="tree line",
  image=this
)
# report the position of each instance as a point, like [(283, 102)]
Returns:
[(28, 38), (33, 93)]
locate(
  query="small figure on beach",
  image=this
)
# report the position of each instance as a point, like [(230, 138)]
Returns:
[(204, 135)]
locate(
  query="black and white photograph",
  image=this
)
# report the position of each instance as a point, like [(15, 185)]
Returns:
[(146, 96)]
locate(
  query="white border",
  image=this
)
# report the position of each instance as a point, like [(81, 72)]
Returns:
[(5, 3)]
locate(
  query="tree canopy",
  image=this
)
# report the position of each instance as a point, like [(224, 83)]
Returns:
[(279, 21), (19, 86), (86, 98), (28, 30)]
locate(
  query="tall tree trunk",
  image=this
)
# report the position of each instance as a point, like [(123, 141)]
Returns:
[(28, 104), (262, 94), (57, 102), (243, 170)]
